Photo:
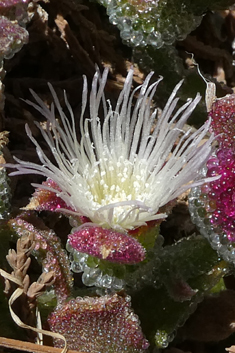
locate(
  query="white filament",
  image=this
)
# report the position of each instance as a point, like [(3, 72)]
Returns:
[(120, 173)]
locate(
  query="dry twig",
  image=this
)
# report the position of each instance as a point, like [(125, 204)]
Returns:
[(29, 347)]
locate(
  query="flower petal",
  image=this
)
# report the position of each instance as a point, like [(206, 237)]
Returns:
[(122, 172), (107, 244)]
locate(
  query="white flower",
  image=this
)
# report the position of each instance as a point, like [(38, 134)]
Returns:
[(121, 172)]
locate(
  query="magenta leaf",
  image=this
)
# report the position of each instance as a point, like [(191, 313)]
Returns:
[(107, 244)]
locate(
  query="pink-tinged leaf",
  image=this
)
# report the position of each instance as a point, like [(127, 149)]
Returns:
[(9, 3), (46, 199), (180, 290), (222, 117), (12, 37), (48, 250), (108, 245), (220, 194), (99, 325)]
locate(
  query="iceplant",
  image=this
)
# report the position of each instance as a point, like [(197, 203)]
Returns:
[(122, 171)]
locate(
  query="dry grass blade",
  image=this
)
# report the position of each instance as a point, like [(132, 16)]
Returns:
[(29, 347)]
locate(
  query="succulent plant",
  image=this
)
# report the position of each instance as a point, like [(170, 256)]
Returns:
[(213, 204), (157, 23), (153, 23), (116, 185), (106, 182), (48, 251), (13, 35), (99, 325)]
